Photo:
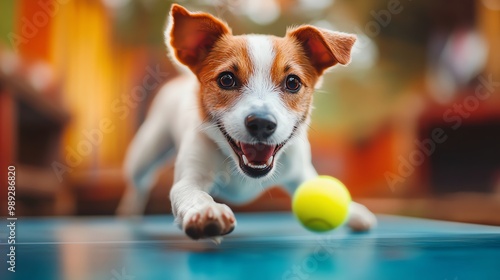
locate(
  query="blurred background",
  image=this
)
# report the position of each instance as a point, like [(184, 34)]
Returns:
[(411, 126)]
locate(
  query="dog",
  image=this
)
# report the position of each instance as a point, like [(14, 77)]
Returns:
[(237, 120)]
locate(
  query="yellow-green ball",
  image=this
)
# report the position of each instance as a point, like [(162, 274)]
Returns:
[(321, 204)]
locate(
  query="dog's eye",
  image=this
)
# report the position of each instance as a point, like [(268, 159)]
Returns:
[(292, 83), (226, 80)]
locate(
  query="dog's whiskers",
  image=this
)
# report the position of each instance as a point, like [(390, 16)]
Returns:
[(217, 133)]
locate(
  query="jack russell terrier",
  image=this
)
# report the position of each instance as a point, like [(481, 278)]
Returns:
[(238, 125)]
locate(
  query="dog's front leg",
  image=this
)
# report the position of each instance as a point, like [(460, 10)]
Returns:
[(194, 209)]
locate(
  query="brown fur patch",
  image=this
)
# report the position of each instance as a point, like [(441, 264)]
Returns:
[(194, 34), (229, 54), (323, 47), (290, 58)]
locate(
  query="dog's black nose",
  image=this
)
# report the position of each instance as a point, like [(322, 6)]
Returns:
[(260, 126)]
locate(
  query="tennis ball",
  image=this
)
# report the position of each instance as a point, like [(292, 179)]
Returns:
[(321, 204)]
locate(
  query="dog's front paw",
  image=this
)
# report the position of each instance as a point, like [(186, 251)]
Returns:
[(210, 220), (360, 218)]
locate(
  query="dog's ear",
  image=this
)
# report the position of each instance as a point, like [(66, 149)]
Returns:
[(191, 35), (323, 47)]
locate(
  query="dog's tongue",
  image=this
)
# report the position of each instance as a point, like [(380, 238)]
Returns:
[(257, 153)]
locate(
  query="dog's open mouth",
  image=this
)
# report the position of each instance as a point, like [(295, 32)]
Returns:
[(256, 160)]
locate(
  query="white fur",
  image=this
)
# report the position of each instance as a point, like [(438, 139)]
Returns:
[(201, 167), (261, 55), (260, 95), (206, 165)]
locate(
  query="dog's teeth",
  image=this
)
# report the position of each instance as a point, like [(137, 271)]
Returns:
[(257, 166), (261, 166), (270, 161)]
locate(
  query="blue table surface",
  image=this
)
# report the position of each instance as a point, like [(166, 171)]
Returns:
[(263, 246)]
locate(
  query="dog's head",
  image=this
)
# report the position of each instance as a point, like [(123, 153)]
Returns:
[(255, 90)]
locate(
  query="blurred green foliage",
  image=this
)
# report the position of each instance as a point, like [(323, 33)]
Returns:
[(7, 12)]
